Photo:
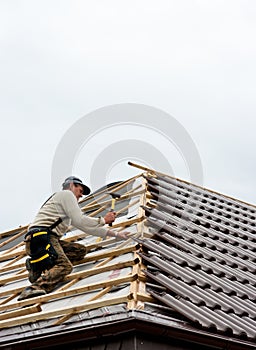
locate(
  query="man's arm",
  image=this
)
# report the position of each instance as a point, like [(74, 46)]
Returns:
[(92, 226)]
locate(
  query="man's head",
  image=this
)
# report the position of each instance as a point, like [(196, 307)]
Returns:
[(75, 185)]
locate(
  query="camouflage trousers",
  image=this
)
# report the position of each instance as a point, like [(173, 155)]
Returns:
[(68, 253)]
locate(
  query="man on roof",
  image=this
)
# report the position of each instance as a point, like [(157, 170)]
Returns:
[(51, 258)]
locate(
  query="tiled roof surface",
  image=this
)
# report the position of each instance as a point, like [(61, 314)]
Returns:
[(189, 264), (203, 254)]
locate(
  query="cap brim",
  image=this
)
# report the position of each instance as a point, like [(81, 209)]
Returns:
[(86, 190)]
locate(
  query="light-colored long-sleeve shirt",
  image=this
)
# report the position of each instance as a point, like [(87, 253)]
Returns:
[(64, 204)]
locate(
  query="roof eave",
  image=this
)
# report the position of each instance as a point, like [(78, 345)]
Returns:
[(129, 321)]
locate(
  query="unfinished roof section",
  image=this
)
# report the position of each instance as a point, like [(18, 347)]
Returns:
[(189, 266), (105, 277)]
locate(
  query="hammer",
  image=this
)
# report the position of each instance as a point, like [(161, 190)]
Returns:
[(113, 201)]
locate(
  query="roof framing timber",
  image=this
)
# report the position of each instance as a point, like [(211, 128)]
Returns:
[(102, 252)]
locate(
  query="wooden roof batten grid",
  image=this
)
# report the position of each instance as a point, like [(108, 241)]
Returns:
[(10, 316)]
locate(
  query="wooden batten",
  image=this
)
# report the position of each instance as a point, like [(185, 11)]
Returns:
[(46, 315)]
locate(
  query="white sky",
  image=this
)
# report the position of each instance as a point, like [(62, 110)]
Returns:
[(60, 60)]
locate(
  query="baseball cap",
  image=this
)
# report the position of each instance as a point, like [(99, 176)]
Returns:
[(76, 180)]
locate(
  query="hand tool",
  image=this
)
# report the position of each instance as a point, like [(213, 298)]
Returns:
[(113, 201)]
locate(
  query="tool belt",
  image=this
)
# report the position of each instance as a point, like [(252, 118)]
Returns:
[(42, 254)]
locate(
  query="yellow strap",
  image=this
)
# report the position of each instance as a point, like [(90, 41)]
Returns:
[(39, 259), (40, 233)]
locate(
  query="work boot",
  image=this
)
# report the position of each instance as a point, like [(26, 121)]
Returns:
[(30, 292), (32, 275)]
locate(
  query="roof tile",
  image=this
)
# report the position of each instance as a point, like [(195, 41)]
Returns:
[(203, 253)]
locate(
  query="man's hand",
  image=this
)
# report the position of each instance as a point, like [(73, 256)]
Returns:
[(118, 235), (110, 217), (123, 235)]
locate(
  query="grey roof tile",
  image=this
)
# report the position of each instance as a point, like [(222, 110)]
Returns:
[(203, 253)]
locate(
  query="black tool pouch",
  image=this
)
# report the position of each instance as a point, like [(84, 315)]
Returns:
[(42, 253)]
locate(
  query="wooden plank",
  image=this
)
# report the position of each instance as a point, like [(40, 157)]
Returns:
[(127, 207), (96, 270), (11, 297), (17, 313), (107, 203), (13, 238), (68, 284), (111, 253), (12, 255), (46, 315), (128, 223), (113, 188), (94, 257), (145, 298), (8, 268), (12, 279), (101, 293), (12, 266), (120, 246), (62, 319), (95, 297), (138, 286), (81, 274), (71, 292), (13, 231)]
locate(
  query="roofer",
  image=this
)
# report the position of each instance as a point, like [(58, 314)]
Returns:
[(51, 258)]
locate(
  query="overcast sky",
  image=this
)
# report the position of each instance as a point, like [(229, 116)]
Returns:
[(62, 60)]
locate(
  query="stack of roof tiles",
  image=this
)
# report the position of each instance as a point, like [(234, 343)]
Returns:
[(189, 265)]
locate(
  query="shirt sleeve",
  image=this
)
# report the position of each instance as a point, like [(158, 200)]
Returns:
[(92, 226)]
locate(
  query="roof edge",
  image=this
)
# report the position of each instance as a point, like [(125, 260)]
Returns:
[(120, 323)]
